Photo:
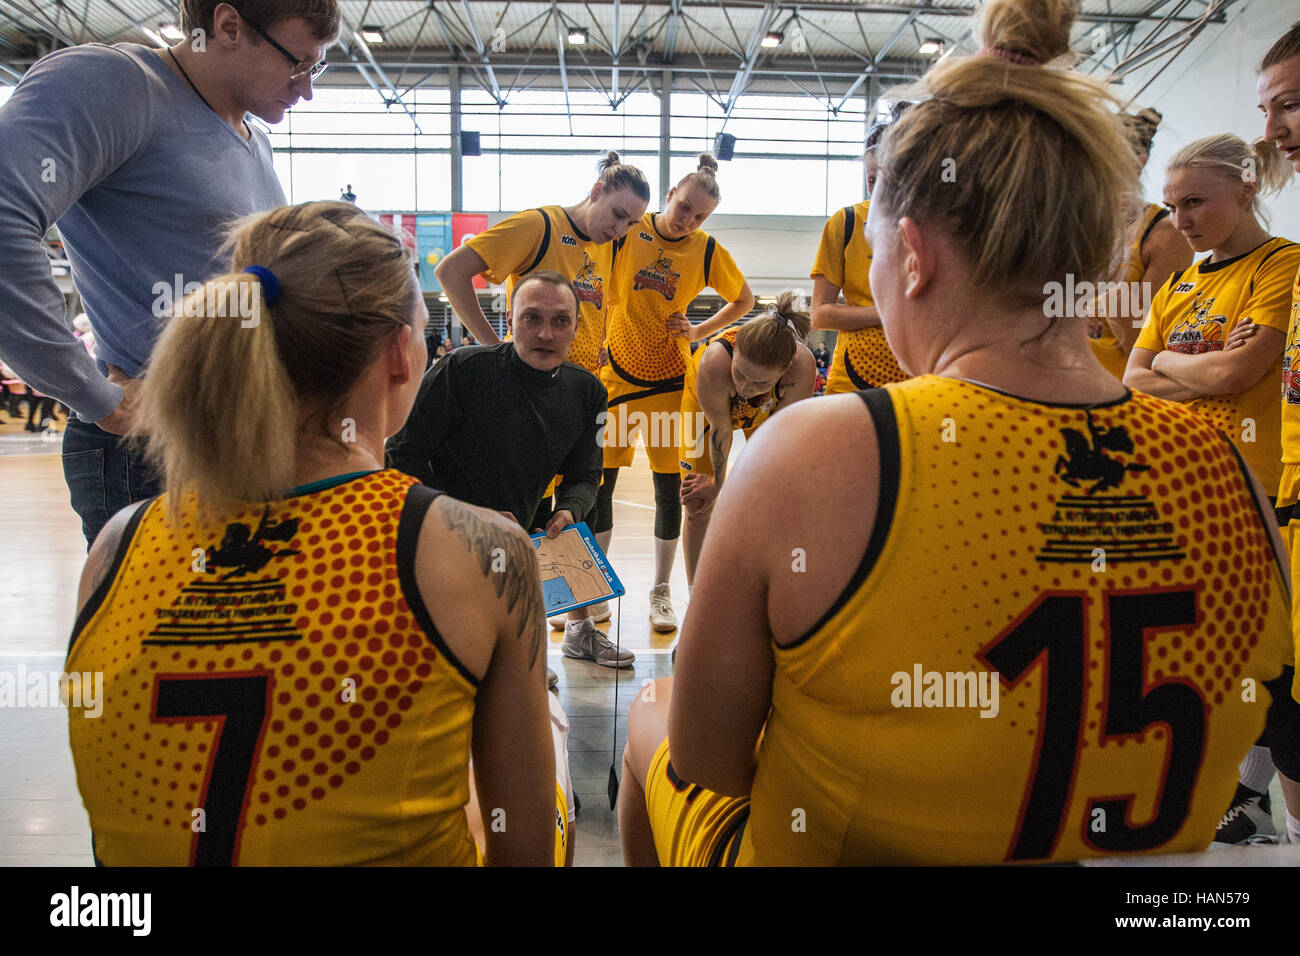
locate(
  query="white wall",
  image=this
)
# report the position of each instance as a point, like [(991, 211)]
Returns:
[(1210, 88)]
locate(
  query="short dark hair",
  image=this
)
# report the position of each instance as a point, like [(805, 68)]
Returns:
[(554, 278), (321, 16)]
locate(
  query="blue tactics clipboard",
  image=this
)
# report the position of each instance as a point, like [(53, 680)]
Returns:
[(575, 571)]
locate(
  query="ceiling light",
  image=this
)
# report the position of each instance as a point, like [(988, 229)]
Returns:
[(577, 36), (932, 46), (772, 40), (171, 31), (372, 34)]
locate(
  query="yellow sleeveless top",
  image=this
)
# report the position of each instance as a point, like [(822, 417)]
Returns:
[(1105, 346), (546, 238), (654, 277), (275, 691), (862, 359), (1105, 571)]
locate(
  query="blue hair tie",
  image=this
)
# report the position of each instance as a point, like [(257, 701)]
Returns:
[(270, 284)]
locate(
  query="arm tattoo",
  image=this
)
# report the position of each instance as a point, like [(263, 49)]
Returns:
[(506, 560), (718, 455)]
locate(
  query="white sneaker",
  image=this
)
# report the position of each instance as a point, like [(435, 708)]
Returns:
[(662, 616), (598, 612)]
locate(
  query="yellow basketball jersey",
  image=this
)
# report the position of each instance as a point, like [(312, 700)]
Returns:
[(275, 690), (746, 413), (1289, 490), (1041, 655), (653, 278), (1196, 310), (862, 359), (1105, 346), (547, 238)]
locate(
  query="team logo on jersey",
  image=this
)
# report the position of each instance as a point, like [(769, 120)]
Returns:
[(212, 612), (1291, 374), (590, 287), (744, 411), (1092, 528), (242, 549), (1199, 332), (1086, 460), (645, 236), (658, 277)]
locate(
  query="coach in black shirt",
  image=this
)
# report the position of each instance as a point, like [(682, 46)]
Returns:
[(492, 425)]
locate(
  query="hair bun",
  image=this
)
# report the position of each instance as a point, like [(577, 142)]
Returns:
[(708, 162), (1036, 29)]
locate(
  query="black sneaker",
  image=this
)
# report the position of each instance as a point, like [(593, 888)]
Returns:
[(1248, 820)]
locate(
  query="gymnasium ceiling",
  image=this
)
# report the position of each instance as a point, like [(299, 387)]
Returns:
[(827, 49)]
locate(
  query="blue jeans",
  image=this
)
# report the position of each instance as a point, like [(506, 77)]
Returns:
[(104, 475)]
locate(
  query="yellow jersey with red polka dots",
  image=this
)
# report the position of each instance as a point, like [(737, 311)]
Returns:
[(1289, 491), (274, 689), (654, 277), (862, 358), (746, 413), (1112, 355), (1195, 312), (1047, 636), (546, 238)]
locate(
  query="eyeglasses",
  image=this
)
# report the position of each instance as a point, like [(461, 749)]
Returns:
[(300, 67)]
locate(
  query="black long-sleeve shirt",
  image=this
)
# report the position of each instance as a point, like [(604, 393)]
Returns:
[(491, 430)]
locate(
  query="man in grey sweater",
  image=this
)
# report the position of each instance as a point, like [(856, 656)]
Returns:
[(144, 158)]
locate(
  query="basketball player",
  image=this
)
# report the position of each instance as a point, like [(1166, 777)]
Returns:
[(1212, 189), (299, 647), (957, 578), (1155, 251), (576, 241), (660, 267), (862, 358), (1250, 817), (743, 377)]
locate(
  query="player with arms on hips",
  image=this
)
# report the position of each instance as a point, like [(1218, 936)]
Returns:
[(743, 377), (953, 684), (659, 269), (302, 643)]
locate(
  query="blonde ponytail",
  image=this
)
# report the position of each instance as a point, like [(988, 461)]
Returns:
[(1239, 161), (234, 381)]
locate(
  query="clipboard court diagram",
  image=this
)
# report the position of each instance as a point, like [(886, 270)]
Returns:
[(574, 570)]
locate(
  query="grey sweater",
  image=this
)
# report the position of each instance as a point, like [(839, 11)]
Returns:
[(142, 179)]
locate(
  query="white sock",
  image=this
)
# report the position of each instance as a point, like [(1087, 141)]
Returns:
[(1292, 828), (1256, 770)]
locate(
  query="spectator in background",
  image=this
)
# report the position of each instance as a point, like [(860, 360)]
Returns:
[(348, 195)]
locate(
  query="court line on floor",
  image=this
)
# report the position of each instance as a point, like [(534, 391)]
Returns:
[(633, 504)]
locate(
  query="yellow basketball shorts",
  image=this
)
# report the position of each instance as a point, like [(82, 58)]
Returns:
[(692, 826), (650, 412)]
